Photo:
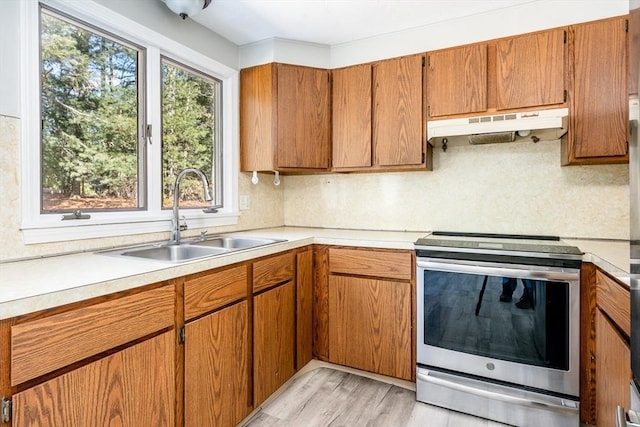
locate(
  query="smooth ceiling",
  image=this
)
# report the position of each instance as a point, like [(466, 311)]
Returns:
[(332, 22)]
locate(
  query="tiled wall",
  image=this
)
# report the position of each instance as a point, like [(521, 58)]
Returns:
[(503, 188)]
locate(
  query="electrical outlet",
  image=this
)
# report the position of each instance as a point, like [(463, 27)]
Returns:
[(245, 202)]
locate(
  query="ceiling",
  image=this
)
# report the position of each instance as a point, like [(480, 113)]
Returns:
[(332, 22)]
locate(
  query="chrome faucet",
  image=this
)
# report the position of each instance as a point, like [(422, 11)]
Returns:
[(175, 224)]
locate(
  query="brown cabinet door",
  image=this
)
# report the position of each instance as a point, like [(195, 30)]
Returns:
[(304, 308), (530, 70), (133, 387), (613, 371), (457, 81), (273, 340), (217, 368), (304, 126), (352, 117), (398, 118), (370, 325), (258, 122), (599, 102)]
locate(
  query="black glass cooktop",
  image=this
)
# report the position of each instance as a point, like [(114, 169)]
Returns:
[(497, 243)]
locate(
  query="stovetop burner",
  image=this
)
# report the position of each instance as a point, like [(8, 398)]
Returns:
[(505, 244)]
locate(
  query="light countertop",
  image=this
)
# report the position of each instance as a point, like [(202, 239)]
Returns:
[(38, 284)]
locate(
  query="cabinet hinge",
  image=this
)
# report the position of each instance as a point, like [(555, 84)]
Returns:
[(423, 61), (565, 95), (424, 158), (626, 25), (181, 336), (428, 110), (6, 410), (565, 36)]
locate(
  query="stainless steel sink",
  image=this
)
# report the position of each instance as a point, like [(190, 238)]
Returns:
[(174, 253), (193, 250), (230, 242)]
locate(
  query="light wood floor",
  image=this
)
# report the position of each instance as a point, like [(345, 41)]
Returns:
[(328, 397)]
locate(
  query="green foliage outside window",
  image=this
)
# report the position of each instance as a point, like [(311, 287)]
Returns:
[(188, 131), (89, 111)]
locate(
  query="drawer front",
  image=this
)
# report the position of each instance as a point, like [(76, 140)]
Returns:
[(44, 345), (613, 298), (273, 270), (207, 293), (374, 263)]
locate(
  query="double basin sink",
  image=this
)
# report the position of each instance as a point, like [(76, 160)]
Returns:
[(194, 249)]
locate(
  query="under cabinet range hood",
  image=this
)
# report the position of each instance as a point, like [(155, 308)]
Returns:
[(542, 124)]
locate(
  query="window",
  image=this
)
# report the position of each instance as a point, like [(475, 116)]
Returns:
[(114, 111), (189, 132), (90, 113)]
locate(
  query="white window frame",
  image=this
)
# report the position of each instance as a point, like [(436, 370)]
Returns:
[(42, 228)]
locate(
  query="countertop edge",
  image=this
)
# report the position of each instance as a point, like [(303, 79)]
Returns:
[(138, 273)]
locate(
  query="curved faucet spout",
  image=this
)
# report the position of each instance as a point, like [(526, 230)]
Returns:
[(175, 224)]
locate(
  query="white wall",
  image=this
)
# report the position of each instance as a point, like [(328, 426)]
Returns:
[(533, 16), (9, 58)]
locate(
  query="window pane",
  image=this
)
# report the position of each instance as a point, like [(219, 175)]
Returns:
[(190, 129), (89, 111)]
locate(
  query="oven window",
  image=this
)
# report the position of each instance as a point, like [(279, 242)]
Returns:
[(514, 319)]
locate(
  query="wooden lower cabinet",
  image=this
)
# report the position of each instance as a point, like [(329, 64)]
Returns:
[(273, 339), (605, 372), (133, 387), (304, 308), (613, 371), (217, 368), (370, 325)]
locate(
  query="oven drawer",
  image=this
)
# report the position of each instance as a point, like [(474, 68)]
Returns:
[(494, 401)]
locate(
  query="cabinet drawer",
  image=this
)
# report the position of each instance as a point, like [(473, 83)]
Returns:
[(389, 264), (44, 345), (214, 290), (273, 270), (613, 298)]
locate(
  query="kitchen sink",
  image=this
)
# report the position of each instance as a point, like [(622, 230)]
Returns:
[(229, 242), (194, 249), (174, 253)]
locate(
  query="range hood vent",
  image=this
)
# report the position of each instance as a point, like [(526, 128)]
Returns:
[(492, 138), (508, 123)]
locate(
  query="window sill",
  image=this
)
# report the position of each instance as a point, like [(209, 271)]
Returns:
[(79, 229)]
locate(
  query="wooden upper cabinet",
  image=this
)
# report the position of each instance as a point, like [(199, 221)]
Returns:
[(258, 121), (530, 70), (284, 118), (599, 110), (378, 116), (304, 127), (398, 113), (352, 117), (457, 80)]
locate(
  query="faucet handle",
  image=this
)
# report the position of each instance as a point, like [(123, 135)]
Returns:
[(183, 223)]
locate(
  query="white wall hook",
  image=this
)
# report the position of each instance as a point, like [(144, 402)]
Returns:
[(276, 178), (254, 178)]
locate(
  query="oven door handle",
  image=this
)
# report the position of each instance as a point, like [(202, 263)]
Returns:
[(525, 273), (494, 395)]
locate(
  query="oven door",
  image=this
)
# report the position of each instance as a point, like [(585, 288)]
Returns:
[(517, 324)]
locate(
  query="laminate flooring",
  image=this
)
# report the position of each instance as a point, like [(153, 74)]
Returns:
[(327, 397)]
